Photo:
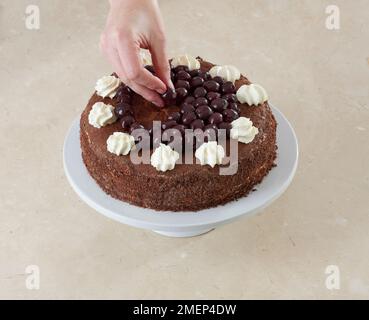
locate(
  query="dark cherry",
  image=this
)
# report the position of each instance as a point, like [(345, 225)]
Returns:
[(123, 109), (168, 124), (181, 94), (180, 127), (187, 118), (234, 106), (190, 99), (228, 87), (204, 112), (150, 69), (211, 86), (135, 126), (183, 75), (199, 92), (225, 126), (197, 82), (218, 79), (180, 68), (123, 90), (169, 97), (194, 73), (150, 130), (205, 75), (127, 121), (219, 104), (229, 115), (182, 84), (212, 95), (186, 107), (211, 126), (200, 101), (230, 97), (124, 98), (197, 124), (215, 118), (176, 116)]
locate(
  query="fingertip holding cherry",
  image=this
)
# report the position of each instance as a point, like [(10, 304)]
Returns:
[(161, 90)]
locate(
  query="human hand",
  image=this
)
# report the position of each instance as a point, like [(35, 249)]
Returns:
[(131, 25)]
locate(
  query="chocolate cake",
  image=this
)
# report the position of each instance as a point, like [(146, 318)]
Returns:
[(202, 100)]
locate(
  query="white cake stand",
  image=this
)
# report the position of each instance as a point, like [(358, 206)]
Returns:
[(184, 224)]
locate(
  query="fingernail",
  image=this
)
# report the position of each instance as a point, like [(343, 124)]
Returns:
[(171, 85), (161, 90)]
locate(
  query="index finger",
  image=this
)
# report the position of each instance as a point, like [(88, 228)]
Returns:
[(129, 54)]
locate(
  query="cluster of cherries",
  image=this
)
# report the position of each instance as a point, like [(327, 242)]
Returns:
[(206, 103)]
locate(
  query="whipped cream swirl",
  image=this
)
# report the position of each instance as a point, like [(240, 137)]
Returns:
[(101, 114), (107, 86), (164, 158), (120, 143), (243, 130), (226, 72), (210, 153), (186, 60), (252, 94)]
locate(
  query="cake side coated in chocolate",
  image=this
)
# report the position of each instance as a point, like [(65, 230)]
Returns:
[(188, 187)]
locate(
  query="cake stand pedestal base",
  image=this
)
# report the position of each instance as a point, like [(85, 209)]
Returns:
[(183, 234)]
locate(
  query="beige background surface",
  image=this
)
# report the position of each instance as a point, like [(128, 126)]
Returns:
[(318, 78)]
